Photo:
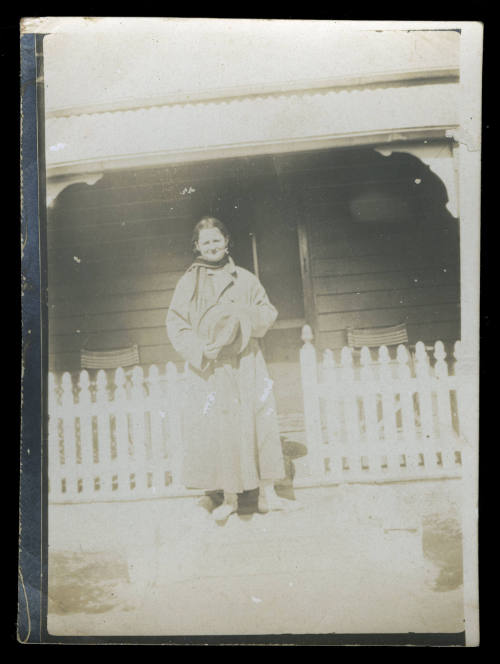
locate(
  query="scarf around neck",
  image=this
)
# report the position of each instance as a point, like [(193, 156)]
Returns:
[(202, 262), (203, 293)]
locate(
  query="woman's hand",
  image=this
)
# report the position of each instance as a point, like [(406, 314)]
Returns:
[(211, 351)]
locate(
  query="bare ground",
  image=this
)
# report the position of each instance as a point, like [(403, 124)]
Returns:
[(354, 558)]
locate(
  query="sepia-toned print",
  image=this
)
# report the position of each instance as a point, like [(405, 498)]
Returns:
[(262, 285)]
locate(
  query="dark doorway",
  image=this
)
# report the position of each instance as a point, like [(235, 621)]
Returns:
[(260, 216), (260, 212), (277, 250)]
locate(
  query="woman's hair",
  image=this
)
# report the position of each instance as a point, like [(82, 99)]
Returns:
[(209, 222)]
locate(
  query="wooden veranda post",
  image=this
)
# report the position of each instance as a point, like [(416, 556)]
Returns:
[(312, 414)]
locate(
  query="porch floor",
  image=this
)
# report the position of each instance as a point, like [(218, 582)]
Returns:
[(354, 559)]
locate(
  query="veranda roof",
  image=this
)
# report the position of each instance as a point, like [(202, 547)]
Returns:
[(146, 92)]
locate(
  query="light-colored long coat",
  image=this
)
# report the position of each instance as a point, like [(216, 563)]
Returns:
[(230, 428)]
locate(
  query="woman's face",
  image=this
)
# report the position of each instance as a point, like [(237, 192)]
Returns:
[(211, 244)]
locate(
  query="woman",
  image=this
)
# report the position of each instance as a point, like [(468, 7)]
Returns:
[(230, 429)]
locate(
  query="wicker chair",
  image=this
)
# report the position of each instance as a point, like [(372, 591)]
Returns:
[(109, 359), (372, 337)]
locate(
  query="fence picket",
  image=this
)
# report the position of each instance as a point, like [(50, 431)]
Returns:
[(388, 399), (407, 410), (121, 435), (139, 431), (86, 465), (332, 423), (368, 385), (351, 418), (158, 462), (69, 432), (103, 441), (174, 444), (424, 391), (54, 461), (312, 414)]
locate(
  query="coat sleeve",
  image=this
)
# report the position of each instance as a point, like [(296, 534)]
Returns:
[(261, 312), (179, 330)]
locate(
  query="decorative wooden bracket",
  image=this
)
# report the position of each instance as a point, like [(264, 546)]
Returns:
[(440, 159), (54, 186)]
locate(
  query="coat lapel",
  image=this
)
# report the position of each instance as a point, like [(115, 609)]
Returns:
[(224, 279)]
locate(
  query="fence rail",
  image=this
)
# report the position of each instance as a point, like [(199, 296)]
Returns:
[(383, 418)]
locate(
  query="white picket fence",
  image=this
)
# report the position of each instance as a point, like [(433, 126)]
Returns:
[(116, 439), (383, 419), (119, 436)]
